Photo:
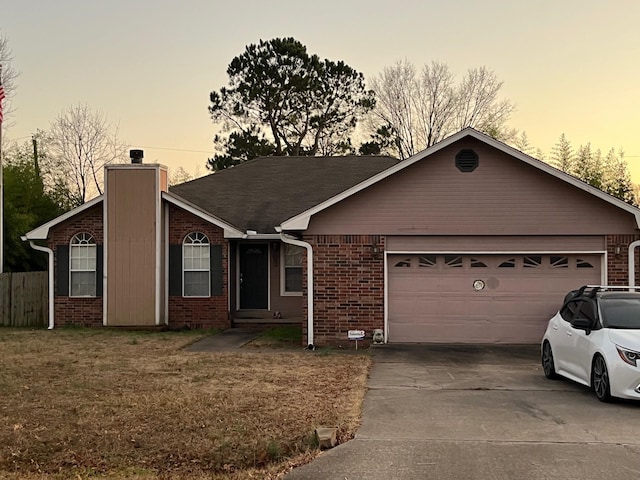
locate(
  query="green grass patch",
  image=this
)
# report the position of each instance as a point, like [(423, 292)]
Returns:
[(285, 333)]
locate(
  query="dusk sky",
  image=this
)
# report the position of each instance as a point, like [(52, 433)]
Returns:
[(570, 66)]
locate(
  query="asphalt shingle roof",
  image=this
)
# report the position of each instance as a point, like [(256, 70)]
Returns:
[(260, 194)]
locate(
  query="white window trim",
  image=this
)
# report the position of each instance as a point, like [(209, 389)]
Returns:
[(208, 270), (283, 277), (72, 271)]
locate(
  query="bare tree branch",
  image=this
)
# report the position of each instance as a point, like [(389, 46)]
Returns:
[(81, 142), (422, 110)]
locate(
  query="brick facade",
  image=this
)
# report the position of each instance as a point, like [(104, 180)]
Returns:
[(618, 259), (348, 286), (86, 312), (348, 278), (211, 312)]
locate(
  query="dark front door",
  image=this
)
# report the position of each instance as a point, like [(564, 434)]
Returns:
[(254, 278)]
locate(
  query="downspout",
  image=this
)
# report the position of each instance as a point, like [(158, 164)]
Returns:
[(51, 286), (632, 262), (306, 245)]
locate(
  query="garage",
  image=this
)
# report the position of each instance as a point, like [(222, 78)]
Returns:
[(484, 298)]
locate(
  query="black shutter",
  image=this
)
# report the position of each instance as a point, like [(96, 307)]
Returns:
[(217, 272), (175, 270), (99, 270), (62, 271)]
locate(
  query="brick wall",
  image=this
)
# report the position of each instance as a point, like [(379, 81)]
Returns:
[(85, 312), (212, 312), (618, 263), (348, 286)]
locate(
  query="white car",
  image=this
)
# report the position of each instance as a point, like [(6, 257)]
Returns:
[(595, 340)]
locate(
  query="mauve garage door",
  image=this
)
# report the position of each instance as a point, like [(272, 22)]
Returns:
[(432, 298)]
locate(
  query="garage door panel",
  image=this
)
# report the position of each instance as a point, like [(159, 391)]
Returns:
[(432, 297), (468, 329)]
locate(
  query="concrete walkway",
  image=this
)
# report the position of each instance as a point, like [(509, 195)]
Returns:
[(226, 341), (480, 413)]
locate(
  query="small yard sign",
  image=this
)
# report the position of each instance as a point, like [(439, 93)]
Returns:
[(356, 334)]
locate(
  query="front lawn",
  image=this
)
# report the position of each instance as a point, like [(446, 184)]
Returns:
[(88, 403)]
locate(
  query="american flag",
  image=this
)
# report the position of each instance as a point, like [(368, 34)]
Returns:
[(2, 95)]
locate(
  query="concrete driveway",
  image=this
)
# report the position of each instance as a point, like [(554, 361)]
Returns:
[(480, 413)]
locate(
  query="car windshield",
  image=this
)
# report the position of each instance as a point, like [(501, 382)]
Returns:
[(620, 312)]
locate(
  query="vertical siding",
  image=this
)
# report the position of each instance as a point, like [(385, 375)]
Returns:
[(502, 196), (131, 244)]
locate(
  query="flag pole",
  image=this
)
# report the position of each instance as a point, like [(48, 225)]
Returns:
[(2, 95)]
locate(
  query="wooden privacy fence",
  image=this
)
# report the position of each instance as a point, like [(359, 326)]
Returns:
[(23, 299)]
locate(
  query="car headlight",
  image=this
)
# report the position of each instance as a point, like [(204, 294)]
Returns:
[(628, 356)]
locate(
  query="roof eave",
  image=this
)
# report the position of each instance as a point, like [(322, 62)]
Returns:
[(229, 230), (42, 232), (301, 221)]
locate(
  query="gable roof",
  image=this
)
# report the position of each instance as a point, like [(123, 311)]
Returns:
[(301, 220), (229, 230), (42, 232), (262, 193)]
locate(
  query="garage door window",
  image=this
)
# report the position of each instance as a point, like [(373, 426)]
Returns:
[(404, 263), (453, 261), (511, 263), (559, 262), (427, 261), (532, 262), (475, 263), (584, 264)]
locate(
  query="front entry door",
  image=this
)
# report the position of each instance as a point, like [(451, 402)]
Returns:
[(254, 269)]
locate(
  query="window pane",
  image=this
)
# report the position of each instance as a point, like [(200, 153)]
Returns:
[(196, 284), (195, 264), (77, 264), (293, 279), (202, 262), (83, 284), (292, 255)]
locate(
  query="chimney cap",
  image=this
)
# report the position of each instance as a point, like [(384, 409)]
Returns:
[(136, 155)]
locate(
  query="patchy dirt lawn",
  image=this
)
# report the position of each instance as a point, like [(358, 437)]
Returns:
[(87, 403)]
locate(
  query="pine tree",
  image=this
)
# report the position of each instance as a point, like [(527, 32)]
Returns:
[(562, 155)]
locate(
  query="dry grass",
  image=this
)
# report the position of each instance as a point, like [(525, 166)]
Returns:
[(96, 403)]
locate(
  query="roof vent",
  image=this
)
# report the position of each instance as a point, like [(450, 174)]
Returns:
[(136, 156), (466, 160)]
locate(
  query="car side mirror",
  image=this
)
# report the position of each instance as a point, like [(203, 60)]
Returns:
[(582, 324)]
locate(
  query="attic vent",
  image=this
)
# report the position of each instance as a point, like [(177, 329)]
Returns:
[(466, 160)]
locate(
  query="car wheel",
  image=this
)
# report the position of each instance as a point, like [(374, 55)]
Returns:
[(548, 366), (600, 379)]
